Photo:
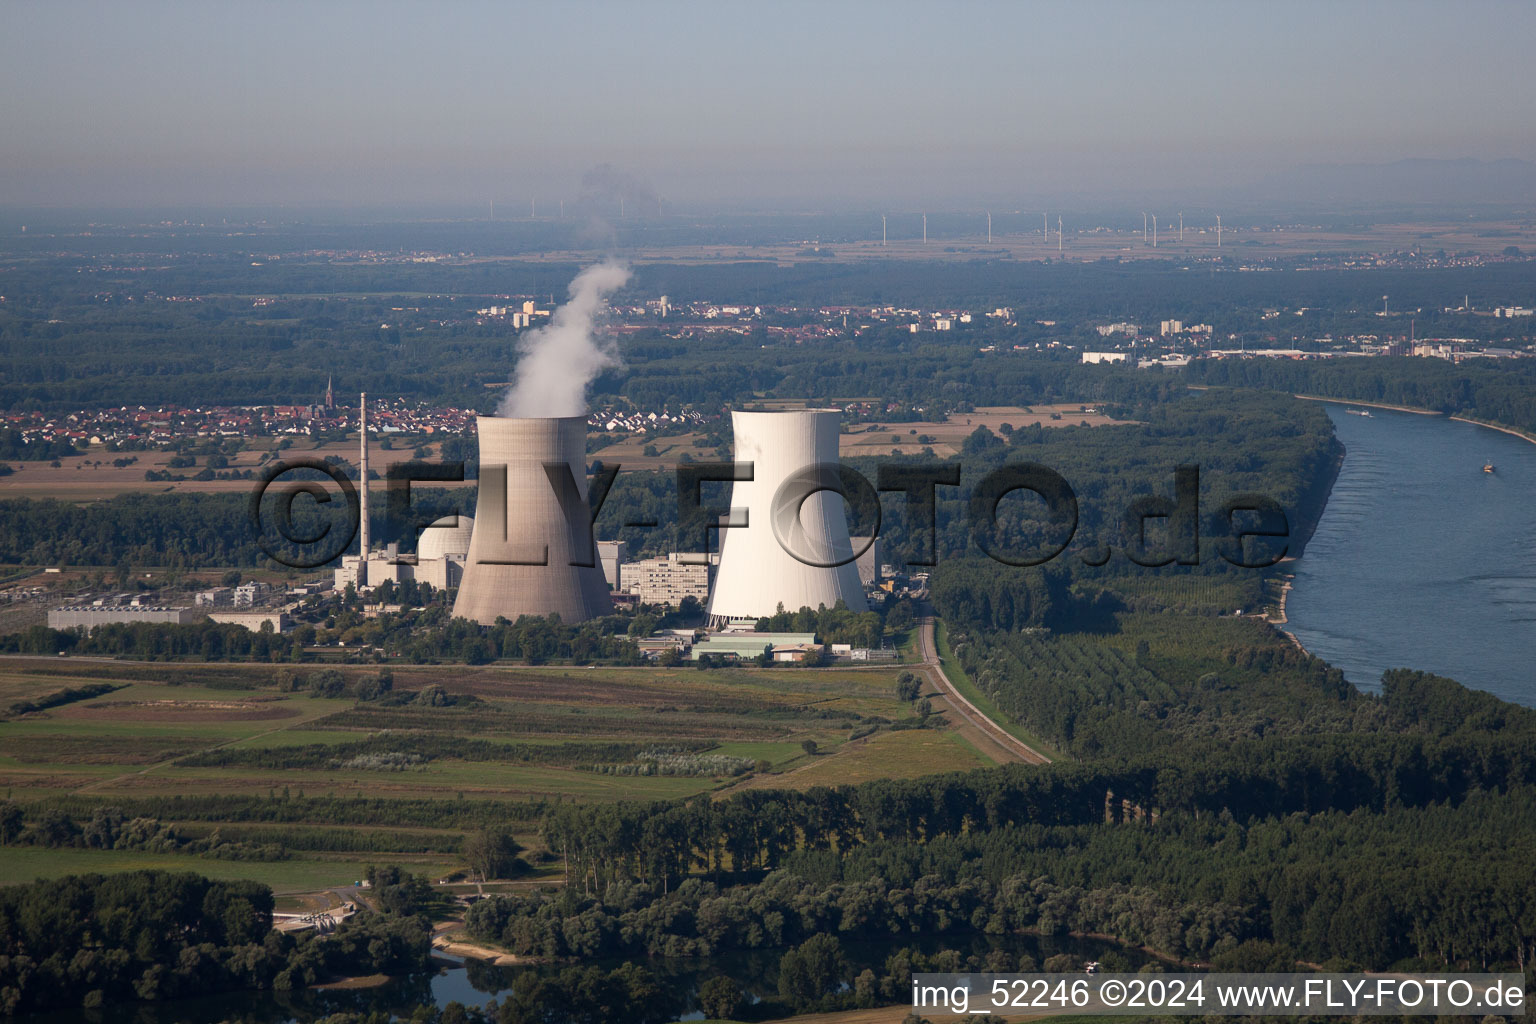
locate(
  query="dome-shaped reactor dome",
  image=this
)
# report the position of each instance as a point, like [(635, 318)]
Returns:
[(448, 536)]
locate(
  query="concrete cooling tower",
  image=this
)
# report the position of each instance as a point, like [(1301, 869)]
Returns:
[(527, 513), (757, 574)]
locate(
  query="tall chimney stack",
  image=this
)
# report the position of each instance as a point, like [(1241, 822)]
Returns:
[(362, 482)]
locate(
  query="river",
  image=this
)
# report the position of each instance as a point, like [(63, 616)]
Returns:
[(1421, 560)]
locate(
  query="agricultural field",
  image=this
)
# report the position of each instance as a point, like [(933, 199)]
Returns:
[(946, 438), (299, 874), (506, 736), (91, 475)]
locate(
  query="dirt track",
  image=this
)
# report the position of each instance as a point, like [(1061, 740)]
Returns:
[(995, 734)]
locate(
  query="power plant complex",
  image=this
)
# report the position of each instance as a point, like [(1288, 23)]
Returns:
[(530, 549)]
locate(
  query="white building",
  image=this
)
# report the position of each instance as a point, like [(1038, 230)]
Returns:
[(666, 581), (1103, 357), (254, 621)]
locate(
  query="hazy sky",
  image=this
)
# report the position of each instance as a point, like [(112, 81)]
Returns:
[(778, 103)]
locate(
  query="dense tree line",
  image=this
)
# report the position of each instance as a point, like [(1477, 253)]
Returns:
[(756, 830), (68, 695), (89, 940), (108, 828), (1498, 390), (785, 909), (13, 446), (285, 807)]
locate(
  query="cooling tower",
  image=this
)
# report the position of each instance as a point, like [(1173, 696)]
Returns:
[(757, 574), (529, 513)]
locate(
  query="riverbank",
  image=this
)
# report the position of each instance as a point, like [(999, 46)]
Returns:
[(1372, 405), (1501, 428), (1276, 615), (1525, 435)]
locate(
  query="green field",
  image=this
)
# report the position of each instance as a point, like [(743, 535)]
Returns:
[(890, 755), (521, 735), (26, 863)]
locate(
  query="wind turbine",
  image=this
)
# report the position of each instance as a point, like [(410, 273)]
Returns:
[(882, 229), (1218, 231), (989, 227), (1181, 226), (1154, 231), (925, 229), (1058, 232), (1045, 227), (1143, 227)]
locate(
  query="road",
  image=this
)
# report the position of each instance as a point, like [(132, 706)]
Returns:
[(973, 716)]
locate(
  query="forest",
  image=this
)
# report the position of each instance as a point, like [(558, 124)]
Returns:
[(92, 940), (1402, 847)]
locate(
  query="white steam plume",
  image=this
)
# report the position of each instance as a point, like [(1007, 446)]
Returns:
[(559, 361)]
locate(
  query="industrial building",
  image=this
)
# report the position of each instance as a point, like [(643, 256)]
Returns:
[(667, 581), (744, 645), (532, 551), (441, 551), (89, 617), (254, 621), (757, 573)]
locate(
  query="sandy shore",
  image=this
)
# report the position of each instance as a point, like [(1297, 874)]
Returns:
[(472, 951), (356, 981), (1513, 431), (1494, 426), (1277, 616), (1372, 405)]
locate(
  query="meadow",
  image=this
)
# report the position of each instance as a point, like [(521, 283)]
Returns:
[(185, 743)]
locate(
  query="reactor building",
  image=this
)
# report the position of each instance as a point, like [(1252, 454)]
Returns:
[(532, 551), (757, 573)]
